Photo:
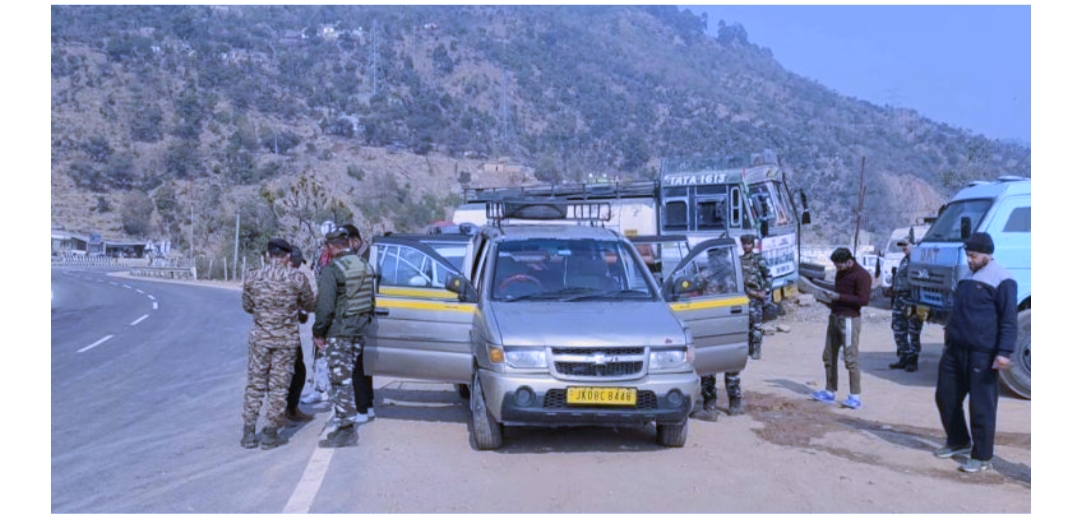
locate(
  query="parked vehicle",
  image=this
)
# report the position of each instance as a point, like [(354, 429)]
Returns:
[(556, 325), (1002, 209), (893, 254), (698, 198)]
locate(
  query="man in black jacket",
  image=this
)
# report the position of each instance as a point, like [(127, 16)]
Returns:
[(980, 336)]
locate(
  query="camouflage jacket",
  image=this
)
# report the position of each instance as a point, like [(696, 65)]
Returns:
[(756, 276), (332, 315), (275, 294)]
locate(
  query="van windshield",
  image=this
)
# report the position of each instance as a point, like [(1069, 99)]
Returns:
[(947, 226), (569, 270)]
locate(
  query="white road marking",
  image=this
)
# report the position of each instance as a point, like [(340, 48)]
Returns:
[(95, 343), (155, 305), (304, 494), (137, 290), (114, 283), (151, 297), (139, 320), (126, 286)]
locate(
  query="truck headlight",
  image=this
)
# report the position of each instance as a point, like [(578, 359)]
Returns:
[(526, 358), (667, 359)]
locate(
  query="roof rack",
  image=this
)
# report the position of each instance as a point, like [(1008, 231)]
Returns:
[(591, 212)]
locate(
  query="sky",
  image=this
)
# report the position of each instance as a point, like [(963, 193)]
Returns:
[(965, 65)]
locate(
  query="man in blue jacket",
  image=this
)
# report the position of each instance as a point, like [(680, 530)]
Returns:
[(980, 335)]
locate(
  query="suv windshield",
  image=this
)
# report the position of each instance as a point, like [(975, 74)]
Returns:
[(947, 226), (568, 270)]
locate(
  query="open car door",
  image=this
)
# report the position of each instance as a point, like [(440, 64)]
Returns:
[(706, 292), (421, 330)]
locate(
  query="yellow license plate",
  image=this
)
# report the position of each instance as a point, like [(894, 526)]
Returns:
[(613, 396)]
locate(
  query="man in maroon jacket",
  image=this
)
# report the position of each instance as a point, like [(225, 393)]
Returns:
[(845, 321)]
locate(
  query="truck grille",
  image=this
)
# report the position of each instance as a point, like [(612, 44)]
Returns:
[(556, 399), (598, 363)]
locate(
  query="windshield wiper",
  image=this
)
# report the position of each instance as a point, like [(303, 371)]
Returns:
[(609, 294)]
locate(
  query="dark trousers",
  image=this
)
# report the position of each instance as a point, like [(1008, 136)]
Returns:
[(297, 385), (968, 373), (362, 387)]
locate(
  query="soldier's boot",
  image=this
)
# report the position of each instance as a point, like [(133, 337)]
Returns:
[(340, 437), (734, 405), (913, 364), (901, 362), (295, 414), (249, 440), (707, 412), (271, 439), (755, 352)]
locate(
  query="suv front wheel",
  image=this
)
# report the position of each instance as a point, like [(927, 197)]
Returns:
[(672, 435), (484, 432)]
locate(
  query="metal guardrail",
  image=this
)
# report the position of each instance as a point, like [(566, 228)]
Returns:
[(139, 267)]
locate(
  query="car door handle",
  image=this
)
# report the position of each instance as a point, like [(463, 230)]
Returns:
[(736, 310), (382, 311)]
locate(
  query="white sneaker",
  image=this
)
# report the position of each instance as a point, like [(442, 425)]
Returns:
[(371, 413), (311, 398), (360, 418)]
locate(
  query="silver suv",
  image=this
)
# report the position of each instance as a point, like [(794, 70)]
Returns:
[(558, 325)]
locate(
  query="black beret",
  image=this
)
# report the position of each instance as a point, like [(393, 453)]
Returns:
[(980, 242), (351, 230), (337, 235), (841, 254), (277, 245)]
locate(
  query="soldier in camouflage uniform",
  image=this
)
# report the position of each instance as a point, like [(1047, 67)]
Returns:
[(757, 282), (718, 276), (343, 312), (274, 294), (906, 326)]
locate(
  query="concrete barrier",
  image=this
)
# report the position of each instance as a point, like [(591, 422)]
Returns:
[(176, 273)]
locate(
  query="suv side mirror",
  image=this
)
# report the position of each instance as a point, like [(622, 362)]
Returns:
[(457, 284)]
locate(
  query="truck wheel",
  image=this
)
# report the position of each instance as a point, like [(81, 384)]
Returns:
[(672, 435), (462, 390), (1018, 377), (484, 432)]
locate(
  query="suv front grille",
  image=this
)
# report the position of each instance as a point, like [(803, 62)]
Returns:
[(556, 399), (598, 363)]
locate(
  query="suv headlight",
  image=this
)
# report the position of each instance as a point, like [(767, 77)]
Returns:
[(668, 359), (526, 358)]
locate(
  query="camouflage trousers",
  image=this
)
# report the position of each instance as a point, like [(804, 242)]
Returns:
[(906, 329), (270, 371), (732, 384), (756, 332), (341, 356)]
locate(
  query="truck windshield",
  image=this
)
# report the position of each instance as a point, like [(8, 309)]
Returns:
[(546, 269), (947, 226)]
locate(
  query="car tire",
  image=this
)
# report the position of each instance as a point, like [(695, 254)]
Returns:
[(484, 432), (672, 435), (1018, 378)]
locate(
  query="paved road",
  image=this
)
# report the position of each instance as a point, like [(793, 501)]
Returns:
[(148, 422)]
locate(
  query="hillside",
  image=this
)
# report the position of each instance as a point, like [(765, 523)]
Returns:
[(166, 117)]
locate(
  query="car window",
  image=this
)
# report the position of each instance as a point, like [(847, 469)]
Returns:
[(545, 269), (713, 272), (404, 266)]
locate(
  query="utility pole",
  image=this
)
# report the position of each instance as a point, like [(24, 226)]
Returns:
[(191, 242), (236, 245), (858, 213), (373, 64)]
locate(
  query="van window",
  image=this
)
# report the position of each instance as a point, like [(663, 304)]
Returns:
[(1019, 220), (407, 267)]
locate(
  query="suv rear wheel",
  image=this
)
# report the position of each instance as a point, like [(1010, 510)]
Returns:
[(484, 432)]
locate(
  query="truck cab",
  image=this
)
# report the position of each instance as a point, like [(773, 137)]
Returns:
[(556, 325), (1002, 209)]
